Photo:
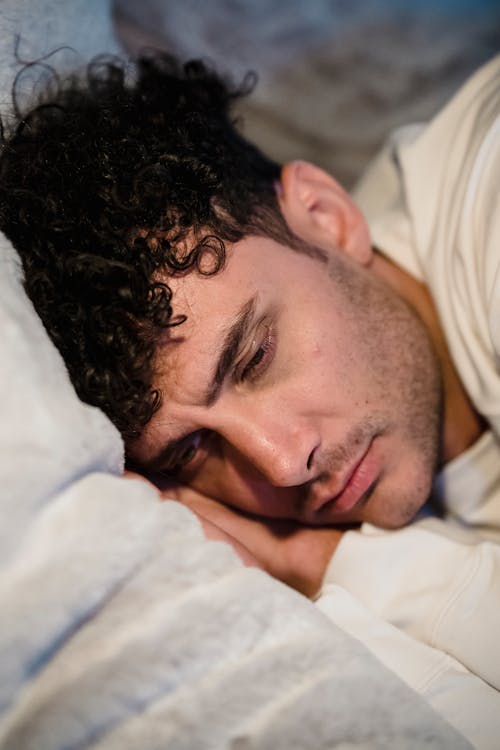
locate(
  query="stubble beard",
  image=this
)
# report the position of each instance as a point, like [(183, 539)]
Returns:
[(406, 378)]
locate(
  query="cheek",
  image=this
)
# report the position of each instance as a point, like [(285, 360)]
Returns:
[(331, 372), (407, 485)]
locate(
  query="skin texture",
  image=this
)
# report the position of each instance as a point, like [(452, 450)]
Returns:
[(330, 413)]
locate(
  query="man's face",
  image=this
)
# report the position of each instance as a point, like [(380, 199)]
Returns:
[(297, 389)]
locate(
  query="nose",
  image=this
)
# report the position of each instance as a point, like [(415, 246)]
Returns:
[(278, 444)]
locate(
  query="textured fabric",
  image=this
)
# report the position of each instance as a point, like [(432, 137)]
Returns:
[(444, 590), (468, 702)]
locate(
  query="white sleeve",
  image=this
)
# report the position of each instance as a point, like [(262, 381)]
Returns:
[(463, 699), (437, 586)]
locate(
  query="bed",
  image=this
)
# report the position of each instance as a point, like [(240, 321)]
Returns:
[(121, 626)]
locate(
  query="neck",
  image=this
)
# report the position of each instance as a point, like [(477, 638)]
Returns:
[(462, 424)]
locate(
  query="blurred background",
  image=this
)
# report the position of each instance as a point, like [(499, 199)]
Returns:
[(334, 76)]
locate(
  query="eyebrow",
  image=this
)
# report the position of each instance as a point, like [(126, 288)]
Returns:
[(227, 354), (229, 349)]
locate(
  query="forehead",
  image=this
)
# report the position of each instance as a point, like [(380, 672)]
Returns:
[(255, 266), (210, 304)]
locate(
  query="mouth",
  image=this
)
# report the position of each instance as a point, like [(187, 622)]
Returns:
[(358, 483)]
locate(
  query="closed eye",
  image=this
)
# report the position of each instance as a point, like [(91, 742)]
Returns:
[(260, 359), (186, 452)]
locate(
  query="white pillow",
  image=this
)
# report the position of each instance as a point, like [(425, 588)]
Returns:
[(33, 29)]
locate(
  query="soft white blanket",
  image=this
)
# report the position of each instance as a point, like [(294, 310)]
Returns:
[(120, 625)]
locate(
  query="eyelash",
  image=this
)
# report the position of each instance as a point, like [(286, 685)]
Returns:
[(260, 360), (187, 452)]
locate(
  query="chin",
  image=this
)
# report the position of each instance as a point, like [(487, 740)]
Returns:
[(397, 508)]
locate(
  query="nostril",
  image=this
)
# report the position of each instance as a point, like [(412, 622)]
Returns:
[(310, 459)]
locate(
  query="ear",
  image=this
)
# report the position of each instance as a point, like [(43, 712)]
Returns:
[(320, 211)]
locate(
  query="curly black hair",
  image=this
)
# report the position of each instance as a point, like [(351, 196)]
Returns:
[(110, 186)]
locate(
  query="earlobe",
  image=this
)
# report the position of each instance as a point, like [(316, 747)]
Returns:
[(319, 211)]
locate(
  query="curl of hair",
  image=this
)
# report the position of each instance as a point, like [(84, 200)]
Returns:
[(102, 189)]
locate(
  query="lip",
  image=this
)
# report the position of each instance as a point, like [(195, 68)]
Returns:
[(358, 480)]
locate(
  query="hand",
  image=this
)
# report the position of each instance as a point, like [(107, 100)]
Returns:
[(295, 554)]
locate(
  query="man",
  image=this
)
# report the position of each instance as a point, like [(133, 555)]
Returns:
[(233, 319)]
